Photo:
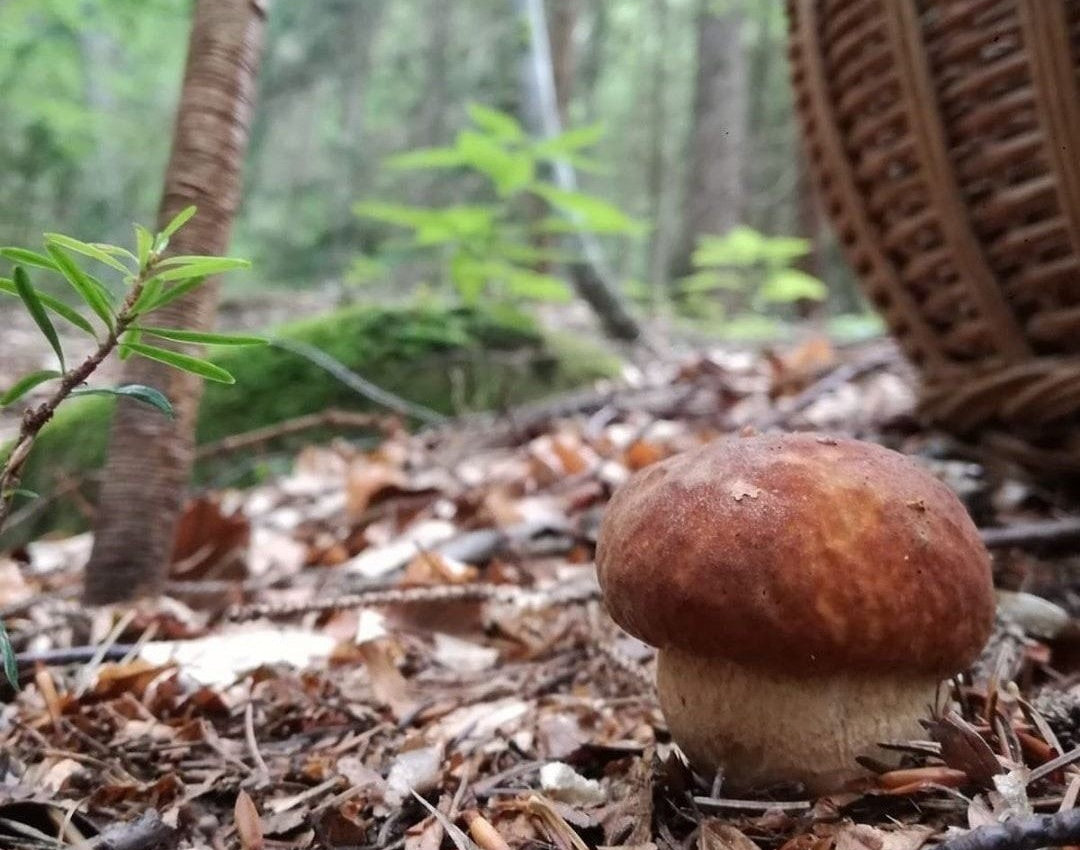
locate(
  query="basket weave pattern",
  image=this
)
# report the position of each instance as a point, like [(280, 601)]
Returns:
[(944, 140)]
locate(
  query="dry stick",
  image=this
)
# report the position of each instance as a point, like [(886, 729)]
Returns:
[(1027, 535), (475, 591), (331, 418), (1030, 833), (832, 380), (261, 770)]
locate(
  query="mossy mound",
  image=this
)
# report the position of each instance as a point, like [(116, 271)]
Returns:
[(447, 360)]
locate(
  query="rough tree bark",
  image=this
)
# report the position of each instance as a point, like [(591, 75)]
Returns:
[(591, 278), (714, 188), (150, 456)]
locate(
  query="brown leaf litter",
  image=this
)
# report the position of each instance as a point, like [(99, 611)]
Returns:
[(404, 647)]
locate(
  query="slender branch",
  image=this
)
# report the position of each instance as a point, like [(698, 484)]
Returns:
[(1064, 531), (330, 418), (1055, 830), (35, 418), (358, 383), (582, 591)]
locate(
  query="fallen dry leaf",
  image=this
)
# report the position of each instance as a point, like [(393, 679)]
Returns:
[(248, 826), (860, 836), (717, 835)]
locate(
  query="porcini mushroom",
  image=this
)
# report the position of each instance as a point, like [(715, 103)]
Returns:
[(807, 596)]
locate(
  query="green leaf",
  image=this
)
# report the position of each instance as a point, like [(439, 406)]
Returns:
[(526, 283), (170, 294), (144, 240), (510, 171), (194, 365), (130, 335), (569, 142), (423, 158), (59, 307), (27, 383), (115, 250), (469, 276), (402, 215), (710, 280), (500, 125), (201, 267), (28, 258), (11, 667), (188, 259), (179, 220), (459, 223), (787, 285), (139, 392), (203, 338), (82, 284), (588, 212), (36, 309), (744, 246), (86, 250)]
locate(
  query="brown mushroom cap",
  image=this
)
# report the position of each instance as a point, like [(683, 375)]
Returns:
[(800, 553)]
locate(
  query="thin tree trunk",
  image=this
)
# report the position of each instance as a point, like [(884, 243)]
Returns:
[(714, 188), (591, 59), (430, 119), (564, 15), (590, 275), (428, 126), (657, 162), (359, 28), (150, 457)]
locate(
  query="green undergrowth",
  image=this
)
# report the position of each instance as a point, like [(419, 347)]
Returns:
[(448, 360)]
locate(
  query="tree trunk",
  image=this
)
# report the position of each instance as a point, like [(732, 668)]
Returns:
[(561, 35), (657, 161), (356, 40), (150, 456), (591, 278), (714, 188), (591, 55)]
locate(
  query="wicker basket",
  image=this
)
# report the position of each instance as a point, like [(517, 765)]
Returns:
[(944, 140)]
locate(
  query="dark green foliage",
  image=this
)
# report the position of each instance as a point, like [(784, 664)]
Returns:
[(433, 356)]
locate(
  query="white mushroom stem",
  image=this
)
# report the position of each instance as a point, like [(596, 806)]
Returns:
[(764, 728)]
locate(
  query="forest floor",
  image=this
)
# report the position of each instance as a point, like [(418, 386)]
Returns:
[(404, 648)]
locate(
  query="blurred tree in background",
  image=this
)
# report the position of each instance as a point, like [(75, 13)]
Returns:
[(89, 89)]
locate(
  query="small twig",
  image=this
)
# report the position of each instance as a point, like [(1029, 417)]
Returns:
[(358, 383), (1064, 760), (752, 805), (261, 768), (476, 591), (832, 380), (86, 674), (1026, 535), (73, 655), (1029, 833), (332, 418), (145, 832)]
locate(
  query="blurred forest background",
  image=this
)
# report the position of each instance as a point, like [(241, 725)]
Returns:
[(679, 111)]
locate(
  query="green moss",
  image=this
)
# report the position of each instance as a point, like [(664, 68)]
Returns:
[(448, 360)]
